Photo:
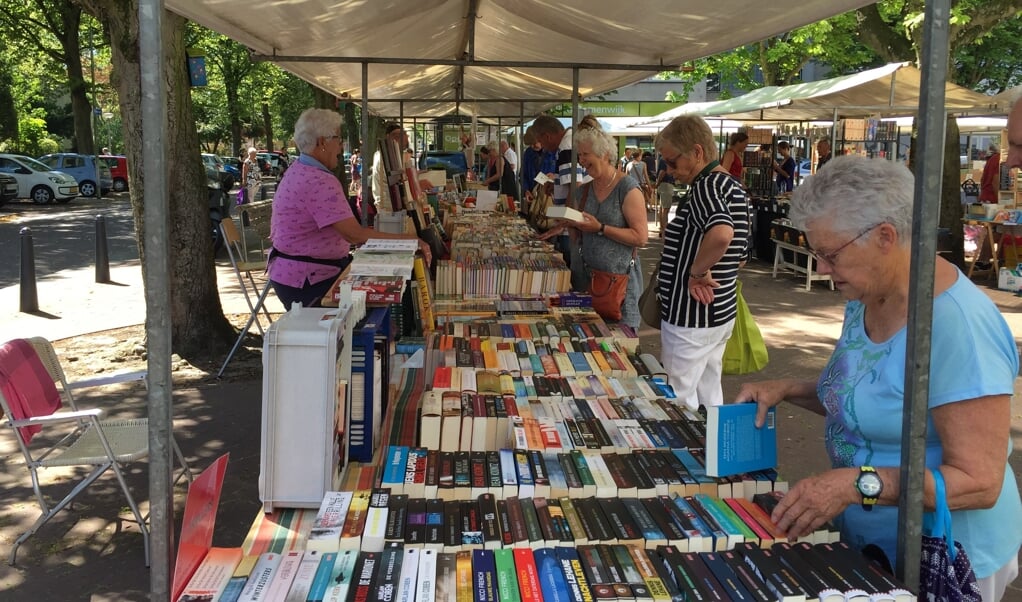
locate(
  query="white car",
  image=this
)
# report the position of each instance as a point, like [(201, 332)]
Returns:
[(37, 182)]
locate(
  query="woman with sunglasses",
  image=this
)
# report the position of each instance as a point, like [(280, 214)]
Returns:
[(704, 245), (861, 393)]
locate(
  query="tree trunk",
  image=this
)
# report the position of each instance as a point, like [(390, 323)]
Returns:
[(199, 329), (81, 107), (268, 125)]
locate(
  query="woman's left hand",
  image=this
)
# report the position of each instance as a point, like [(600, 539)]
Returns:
[(815, 500), (701, 289), (589, 224)]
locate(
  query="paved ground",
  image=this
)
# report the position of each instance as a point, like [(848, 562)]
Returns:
[(90, 553)]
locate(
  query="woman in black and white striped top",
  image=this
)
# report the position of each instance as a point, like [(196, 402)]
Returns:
[(703, 248)]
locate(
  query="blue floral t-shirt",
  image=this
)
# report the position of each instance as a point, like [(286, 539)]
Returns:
[(973, 354)]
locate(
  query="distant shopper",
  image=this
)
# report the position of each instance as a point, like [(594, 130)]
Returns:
[(510, 178), (861, 391), (732, 158), (312, 226), (251, 176), (704, 246), (554, 138), (665, 193), (785, 170), (822, 152), (990, 182), (647, 158)]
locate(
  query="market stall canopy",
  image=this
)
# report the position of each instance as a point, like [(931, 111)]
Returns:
[(1004, 101), (429, 58), (890, 90)]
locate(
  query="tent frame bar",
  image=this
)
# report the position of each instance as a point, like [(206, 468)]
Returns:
[(467, 62)]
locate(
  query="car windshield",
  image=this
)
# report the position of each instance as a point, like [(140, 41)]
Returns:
[(32, 163)]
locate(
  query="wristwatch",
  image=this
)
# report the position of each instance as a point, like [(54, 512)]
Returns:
[(869, 485), (602, 228)]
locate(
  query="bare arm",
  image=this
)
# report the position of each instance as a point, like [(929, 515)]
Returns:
[(974, 434), (635, 234), (356, 234), (727, 159)]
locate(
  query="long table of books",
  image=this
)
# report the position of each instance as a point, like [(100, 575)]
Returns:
[(534, 454)]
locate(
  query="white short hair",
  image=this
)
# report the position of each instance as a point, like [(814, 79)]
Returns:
[(313, 124)]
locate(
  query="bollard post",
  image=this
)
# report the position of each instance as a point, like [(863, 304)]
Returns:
[(29, 297), (102, 255)]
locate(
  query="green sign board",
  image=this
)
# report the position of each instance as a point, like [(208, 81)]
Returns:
[(616, 109)]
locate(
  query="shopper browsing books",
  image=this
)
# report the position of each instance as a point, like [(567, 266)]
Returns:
[(614, 220), (312, 226), (973, 364), (785, 169), (703, 247), (732, 157)]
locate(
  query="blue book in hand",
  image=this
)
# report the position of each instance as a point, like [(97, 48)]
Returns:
[(733, 443)]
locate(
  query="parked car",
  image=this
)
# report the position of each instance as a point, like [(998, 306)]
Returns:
[(8, 188), (453, 162), (37, 181), (804, 169), (234, 171), (216, 164), (278, 162), (118, 166), (84, 169)]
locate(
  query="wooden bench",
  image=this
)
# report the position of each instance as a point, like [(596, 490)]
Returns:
[(779, 262)]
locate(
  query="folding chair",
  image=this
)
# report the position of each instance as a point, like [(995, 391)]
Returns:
[(243, 268), (258, 217), (29, 399)]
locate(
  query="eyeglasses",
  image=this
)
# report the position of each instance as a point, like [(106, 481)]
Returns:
[(673, 163), (831, 257)]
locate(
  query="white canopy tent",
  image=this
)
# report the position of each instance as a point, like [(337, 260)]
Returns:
[(425, 56), (891, 90)]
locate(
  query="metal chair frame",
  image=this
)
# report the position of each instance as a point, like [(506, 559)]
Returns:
[(102, 444)]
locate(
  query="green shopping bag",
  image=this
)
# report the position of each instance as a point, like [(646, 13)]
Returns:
[(745, 351)]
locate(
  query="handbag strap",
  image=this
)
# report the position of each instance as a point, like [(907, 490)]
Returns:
[(942, 514)]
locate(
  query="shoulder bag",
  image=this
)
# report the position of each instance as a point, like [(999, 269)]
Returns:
[(607, 288), (649, 300), (945, 572)]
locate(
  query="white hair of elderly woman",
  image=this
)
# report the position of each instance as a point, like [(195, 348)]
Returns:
[(600, 143), (313, 124), (852, 193)]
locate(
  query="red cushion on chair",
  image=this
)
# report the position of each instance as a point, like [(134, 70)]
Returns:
[(26, 385)]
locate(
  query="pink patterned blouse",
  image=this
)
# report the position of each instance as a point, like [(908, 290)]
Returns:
[(308, 201)]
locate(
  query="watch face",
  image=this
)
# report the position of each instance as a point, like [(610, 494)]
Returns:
[(869, 484)]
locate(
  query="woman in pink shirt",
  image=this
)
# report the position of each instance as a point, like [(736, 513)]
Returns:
[(312, 226)]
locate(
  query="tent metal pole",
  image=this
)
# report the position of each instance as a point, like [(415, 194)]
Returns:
[(367, 151), (574, 126), (833, 134), (928, 184), (157, 292)]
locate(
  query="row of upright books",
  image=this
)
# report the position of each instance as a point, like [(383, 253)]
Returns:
[(604, 571), (526, 473), (368, 519)]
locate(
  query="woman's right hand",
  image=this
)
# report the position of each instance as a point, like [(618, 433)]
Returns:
[(766, 394), (552, 232)]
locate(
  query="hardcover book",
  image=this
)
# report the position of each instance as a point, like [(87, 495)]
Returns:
[(733, 443)]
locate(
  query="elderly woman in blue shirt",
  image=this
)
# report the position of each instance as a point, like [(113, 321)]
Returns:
[(973, 365)]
